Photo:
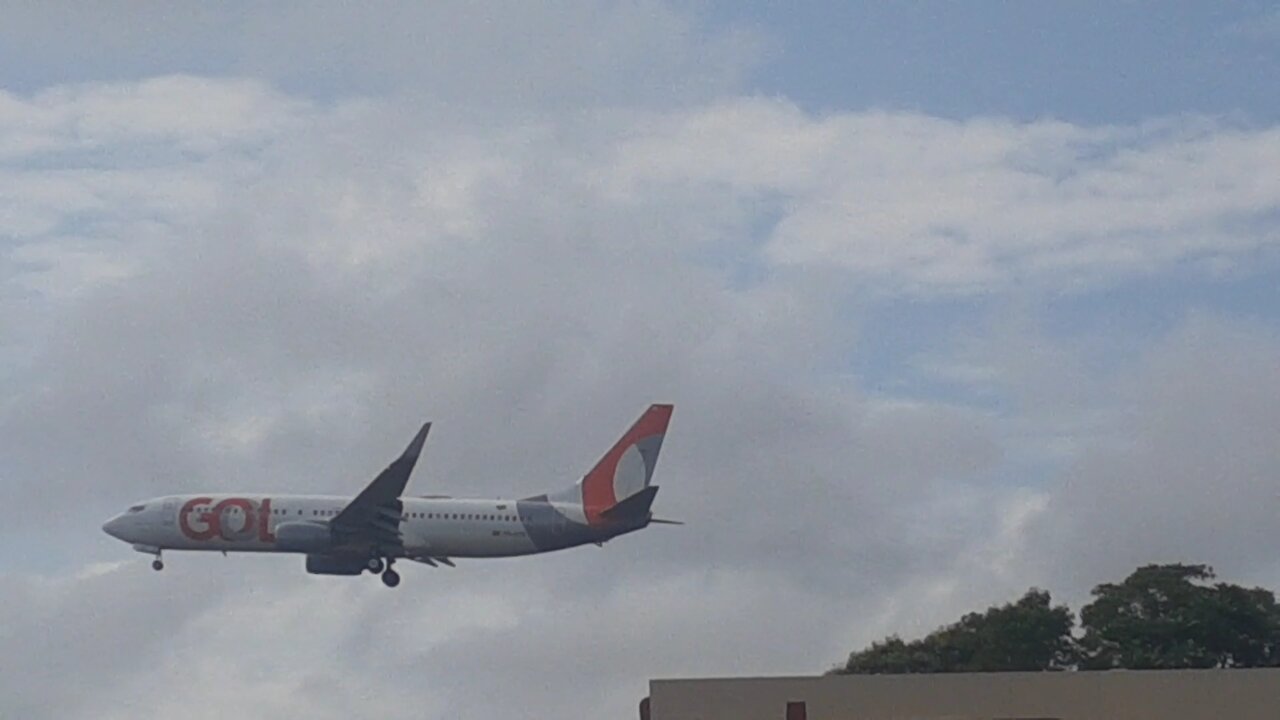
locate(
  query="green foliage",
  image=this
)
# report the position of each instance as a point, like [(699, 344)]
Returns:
[(1029, 634), (1169, 616), (1160, 617)]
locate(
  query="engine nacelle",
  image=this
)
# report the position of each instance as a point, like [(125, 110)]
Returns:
[(307, 537), (331, 565)]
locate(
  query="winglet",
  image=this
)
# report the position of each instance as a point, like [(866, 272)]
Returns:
[(387, 487), (412, 452)]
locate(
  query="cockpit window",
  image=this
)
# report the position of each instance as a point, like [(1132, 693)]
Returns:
[(137, 508)]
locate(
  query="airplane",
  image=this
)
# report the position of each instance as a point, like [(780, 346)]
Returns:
[(368, 533)]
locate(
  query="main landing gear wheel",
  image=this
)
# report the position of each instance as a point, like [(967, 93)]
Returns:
[(374, 565), (157, 564), (390, 578)]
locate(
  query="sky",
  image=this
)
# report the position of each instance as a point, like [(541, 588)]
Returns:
[(952, 300)]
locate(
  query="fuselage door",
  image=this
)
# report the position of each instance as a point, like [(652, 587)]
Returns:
[(169, 512)]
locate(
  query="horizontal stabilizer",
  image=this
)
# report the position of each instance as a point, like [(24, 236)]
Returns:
[(634, 508), (661, 521)]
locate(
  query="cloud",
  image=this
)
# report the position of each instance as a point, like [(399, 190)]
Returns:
[(504, 56), (274, 292), (1262, 28), (909, 203), (186, 114), (92, 626), (289, 326), (1186, 473)]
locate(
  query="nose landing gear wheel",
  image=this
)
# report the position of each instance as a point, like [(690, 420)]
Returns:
[(374, 565), (390, 578), (157, 564)]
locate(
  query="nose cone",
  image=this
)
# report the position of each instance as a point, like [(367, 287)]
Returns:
[(114, 527)]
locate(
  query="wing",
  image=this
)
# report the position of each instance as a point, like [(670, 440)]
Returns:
[(373, 517)]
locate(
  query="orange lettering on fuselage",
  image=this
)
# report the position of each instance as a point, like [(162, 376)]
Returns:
[(184, 520), (264, 524), (220, 522)]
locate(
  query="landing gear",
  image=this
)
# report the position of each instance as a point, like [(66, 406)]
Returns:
[(390, 577), (155, 550), (374, 565)]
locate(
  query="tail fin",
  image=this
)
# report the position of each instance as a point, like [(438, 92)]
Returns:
[(627, 469)]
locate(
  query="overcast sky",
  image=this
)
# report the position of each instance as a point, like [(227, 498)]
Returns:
[(951, 300)]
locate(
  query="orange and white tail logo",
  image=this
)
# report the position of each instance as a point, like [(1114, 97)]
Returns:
[(628, 466)]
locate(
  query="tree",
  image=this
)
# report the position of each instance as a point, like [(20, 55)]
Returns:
[(1029, 634), (1169, 616), (1160, 617)]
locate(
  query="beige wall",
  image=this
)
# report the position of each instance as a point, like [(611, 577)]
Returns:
[(1127, 695)]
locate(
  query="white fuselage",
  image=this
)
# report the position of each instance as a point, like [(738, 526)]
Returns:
[(370, 531), (430, 527)]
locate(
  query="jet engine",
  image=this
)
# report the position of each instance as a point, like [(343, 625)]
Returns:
[(334, 565), (303, 536)]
